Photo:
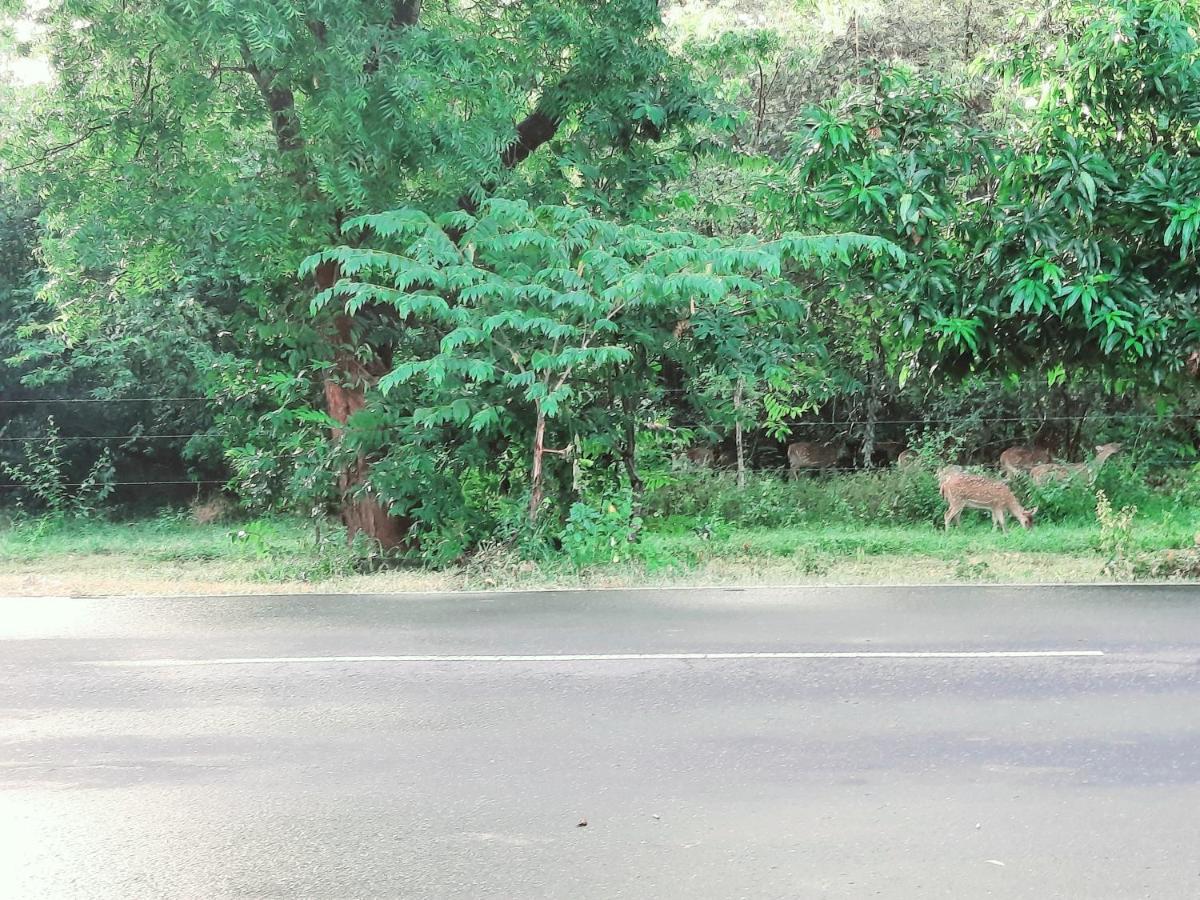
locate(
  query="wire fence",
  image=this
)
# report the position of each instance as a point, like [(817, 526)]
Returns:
[(76, 484), (110, 400), (1164, 418)]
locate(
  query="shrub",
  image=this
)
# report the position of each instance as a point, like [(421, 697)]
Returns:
[(605, 532), (46, 476), (1116, 535)]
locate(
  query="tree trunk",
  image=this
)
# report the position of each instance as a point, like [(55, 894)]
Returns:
[(535, 474), (868, 448), (345, 394), (629, 448), (737, 433)]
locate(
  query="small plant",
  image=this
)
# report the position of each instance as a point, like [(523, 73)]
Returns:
[(330, 556), (811, 562), (46, 475), (1116, 536), (973, 570)]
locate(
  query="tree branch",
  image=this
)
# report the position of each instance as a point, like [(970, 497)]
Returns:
[(534, 130), (405, 13), (281, 103)]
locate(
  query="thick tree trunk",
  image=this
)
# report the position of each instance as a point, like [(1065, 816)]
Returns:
[(345, 394)]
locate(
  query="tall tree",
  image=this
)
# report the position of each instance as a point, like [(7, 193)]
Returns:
[(229, 140)]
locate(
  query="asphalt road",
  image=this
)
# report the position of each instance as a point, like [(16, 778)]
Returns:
[(261, 747)]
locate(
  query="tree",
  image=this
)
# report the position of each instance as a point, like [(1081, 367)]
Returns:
[(181, 141), (1088, 254), (520, 321)]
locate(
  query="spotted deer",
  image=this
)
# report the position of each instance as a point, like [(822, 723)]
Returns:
[(700, 457), (1046, 472), (812, 456), (1016, 460), (908, 459), (946, 471), (961, 490)]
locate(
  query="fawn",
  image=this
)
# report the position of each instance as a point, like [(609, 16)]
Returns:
[(1016, 460), (810, 455), (1065, 471), (961, 490)]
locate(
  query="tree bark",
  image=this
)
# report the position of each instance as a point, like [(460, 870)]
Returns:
[(405, 13), (535, 475), (737, 433), (868, 447), (345, 394), (345, 387), (629, 449)]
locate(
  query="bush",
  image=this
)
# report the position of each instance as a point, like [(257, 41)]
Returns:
[(46, 477), (1116, 535), (605, 532)]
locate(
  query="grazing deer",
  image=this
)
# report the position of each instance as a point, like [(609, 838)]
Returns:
[(700, 457), (1016, 460), (1066, 471), (961, 490), (813, 456)]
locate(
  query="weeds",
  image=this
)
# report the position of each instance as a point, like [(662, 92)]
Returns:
[(1116, 536), (973, 570), (46, 476)]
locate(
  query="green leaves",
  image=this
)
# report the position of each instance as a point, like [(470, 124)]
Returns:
[(554, 303)]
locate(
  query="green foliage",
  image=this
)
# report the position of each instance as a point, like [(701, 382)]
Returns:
[(48, 480), (602, 533), (1116, 535), (622, 241), (769, 501), (541, 328)]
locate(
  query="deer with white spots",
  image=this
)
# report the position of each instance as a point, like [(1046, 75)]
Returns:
[(962, 490)]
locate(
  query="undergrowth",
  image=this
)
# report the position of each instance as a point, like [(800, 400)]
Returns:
[(808, 527)]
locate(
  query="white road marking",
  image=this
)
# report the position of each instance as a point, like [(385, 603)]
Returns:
[(603, 657)]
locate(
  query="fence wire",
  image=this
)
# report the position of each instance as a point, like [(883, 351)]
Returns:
[(1144, 418)]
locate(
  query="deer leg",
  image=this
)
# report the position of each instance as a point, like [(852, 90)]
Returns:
[(998, 520), (951, 515)]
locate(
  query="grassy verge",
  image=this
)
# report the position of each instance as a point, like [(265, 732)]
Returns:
[(172, 555)]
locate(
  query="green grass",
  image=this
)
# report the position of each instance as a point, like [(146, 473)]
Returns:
[(698, 528), (162, 539), (921, 540), (170, 554)]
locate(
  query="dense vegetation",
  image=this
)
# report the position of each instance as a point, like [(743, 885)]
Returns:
[(464, 274)]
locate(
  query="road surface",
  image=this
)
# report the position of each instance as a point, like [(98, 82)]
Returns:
[(789, 743)]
